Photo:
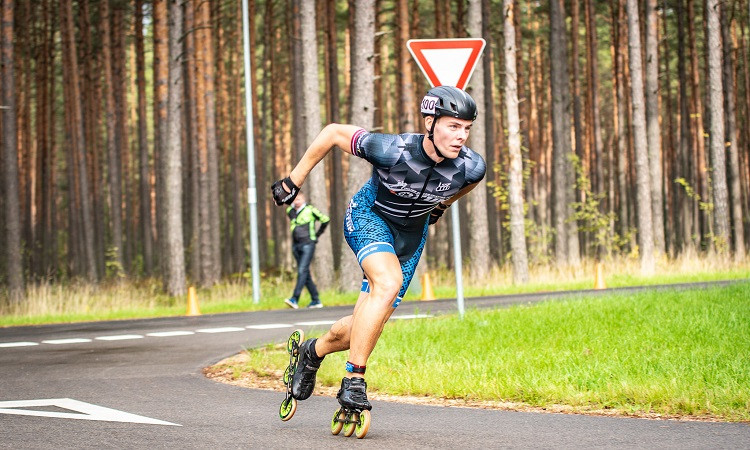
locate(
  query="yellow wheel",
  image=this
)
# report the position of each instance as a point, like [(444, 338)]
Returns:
[(350, 424), (338, 422), (288, 408), (294, 341), (363, 424), (288, 374)]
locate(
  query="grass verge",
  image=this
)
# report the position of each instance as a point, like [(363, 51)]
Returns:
[(79, 301), (652, 353)]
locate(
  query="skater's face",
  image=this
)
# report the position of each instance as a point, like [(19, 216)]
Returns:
[(450, 134)]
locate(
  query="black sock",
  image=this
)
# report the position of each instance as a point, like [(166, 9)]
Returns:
[(313, 353)]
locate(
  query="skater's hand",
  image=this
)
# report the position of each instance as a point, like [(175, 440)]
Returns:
[(437, 213), (284, 191)]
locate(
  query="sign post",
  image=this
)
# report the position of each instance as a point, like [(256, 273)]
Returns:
[(449, 62)]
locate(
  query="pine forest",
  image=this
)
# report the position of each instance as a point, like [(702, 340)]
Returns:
[(610, 128)]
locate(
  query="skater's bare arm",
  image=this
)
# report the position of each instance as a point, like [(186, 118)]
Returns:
[(334, 134), (460, 194)]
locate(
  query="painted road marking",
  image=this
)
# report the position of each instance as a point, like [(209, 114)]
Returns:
[(412, 316), (220, 330), (66, 341), (17, 344), (265, 326), (319, 322), (269, 326), (83, 411), (121, 337), (170, 333)]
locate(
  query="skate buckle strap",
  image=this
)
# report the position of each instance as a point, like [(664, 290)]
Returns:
[(353, 368)]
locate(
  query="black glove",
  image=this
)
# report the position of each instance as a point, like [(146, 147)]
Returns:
[(437, 213), (281, 195)]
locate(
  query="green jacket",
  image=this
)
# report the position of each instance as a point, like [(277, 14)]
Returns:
[(303, 223)]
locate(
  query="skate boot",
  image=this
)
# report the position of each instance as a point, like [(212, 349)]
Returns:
[(353, 394), (354, 414), (303, 380)]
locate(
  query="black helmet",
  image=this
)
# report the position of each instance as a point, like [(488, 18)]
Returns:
[(449, 101)]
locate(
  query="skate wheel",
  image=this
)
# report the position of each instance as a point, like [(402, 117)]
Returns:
[(288, 374), (288, 408), (363, 424), (294, 341), (351, 424), (338, 422)]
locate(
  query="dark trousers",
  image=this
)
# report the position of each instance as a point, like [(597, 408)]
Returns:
[(303, 253)]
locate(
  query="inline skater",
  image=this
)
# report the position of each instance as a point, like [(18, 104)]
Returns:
[(415, 178)]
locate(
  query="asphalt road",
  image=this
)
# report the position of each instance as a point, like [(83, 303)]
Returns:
[(151, 370)]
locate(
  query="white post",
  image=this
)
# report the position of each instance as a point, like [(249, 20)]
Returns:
[(251, 191), (457, 258)]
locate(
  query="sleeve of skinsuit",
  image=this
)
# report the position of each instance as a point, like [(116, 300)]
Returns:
[(377, 149), (475, 167)]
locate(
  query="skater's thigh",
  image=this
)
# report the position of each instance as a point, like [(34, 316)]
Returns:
[(383, 272)]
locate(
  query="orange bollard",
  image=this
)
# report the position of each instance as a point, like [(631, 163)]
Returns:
[(192, 306), (427, 293), (599, 279)]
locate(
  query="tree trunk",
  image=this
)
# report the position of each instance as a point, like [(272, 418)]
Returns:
[(477, 201), (145, 172), (72, 95), (515, 177), (113, 154), (408, 121), (686, 150), (716, 134), (11, 206), (653, 131), (161, 84), (209, 99), (174, 272), (316, 181), (645, 220), (701, 176), (566, 240), (363, 99), (332, 86), (730, 105)]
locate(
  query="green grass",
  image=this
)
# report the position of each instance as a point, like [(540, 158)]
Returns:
[(77, 301), (683, 353)]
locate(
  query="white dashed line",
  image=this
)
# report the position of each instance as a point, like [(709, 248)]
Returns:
[(170, 333), (319, 322), (17, 344), (220, 330), (412, 316), (66, 341), (269, 326), (121, 337)]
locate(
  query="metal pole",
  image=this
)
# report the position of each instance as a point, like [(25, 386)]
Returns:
[(251, 191), (457, 258)]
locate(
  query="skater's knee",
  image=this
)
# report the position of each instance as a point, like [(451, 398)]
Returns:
[(388, 288)]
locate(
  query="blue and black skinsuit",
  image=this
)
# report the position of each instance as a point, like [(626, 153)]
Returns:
[(304, 238), (389, 213)]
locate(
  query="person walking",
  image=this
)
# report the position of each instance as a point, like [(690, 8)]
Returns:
[(303, 217), (415, 178)]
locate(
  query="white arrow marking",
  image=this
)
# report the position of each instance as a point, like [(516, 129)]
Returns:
[(83, 411)]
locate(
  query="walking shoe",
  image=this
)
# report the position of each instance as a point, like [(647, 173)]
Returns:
[(317, 304), (292, 303), (353, 394), (303, 380)]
